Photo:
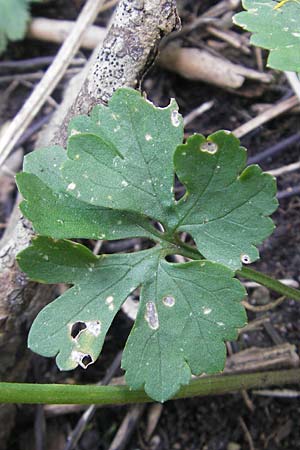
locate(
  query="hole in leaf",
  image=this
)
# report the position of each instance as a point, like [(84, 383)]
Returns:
[(130, 307), (86, 361), (176, 259), (179, 189), (245, 259), (159, 226), (76, 329), (186, 238)]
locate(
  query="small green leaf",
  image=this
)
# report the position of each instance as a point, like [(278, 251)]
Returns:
[(115, 181), (277, 30), (13, 20), (224, 209)]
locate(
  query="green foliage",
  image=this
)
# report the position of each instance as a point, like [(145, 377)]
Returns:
[(277, 30), (115, 181), (14, 16)]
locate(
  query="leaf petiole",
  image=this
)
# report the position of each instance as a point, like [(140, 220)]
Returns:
[(246, 272), (120, 394)]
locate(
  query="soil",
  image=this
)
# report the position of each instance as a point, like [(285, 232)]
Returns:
[(212, 423)]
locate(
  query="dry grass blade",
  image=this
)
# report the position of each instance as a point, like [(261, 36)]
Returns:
[(50, 79)]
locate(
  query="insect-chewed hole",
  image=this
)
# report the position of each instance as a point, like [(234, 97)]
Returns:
[(130, 307), (187, 238), (76, 329), (86, 361), (179, 189), (159, 226), (175, 259), (245, 259)]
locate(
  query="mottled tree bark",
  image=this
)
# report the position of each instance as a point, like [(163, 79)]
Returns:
[(130, 46), (127, 51)]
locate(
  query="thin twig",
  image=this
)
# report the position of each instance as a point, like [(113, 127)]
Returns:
[(22, 76), (51, 30), (285, 169), (34, 128), (40, 428), (247, 433), (254, 325), (108, 5), (89, 412), (266, 116), (283, 393), (198, 112), (153, 416), (50, 79), (232, 38), (259, 58), (40, 61), (294, 82), (255, 358), (287, 281), (263, 308), (247, 400), (275, 149), (273, 333), (127, 427), (288, 192)]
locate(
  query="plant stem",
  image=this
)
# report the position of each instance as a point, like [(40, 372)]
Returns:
[(269, 282), (250, 274), (116, 395)]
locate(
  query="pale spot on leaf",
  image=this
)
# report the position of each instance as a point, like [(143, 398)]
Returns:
[(169, 301), (175, 118), (74, 132), (71, 186), (151, 316), (209, 147), (94, 327)]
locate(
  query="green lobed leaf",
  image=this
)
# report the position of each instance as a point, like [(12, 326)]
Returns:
[(102, 160), (186, 312), (101, 284), (124, 158), (127, 151), (224, 208), (54, 212), (182, 321), (277, 30), (13, 20)]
